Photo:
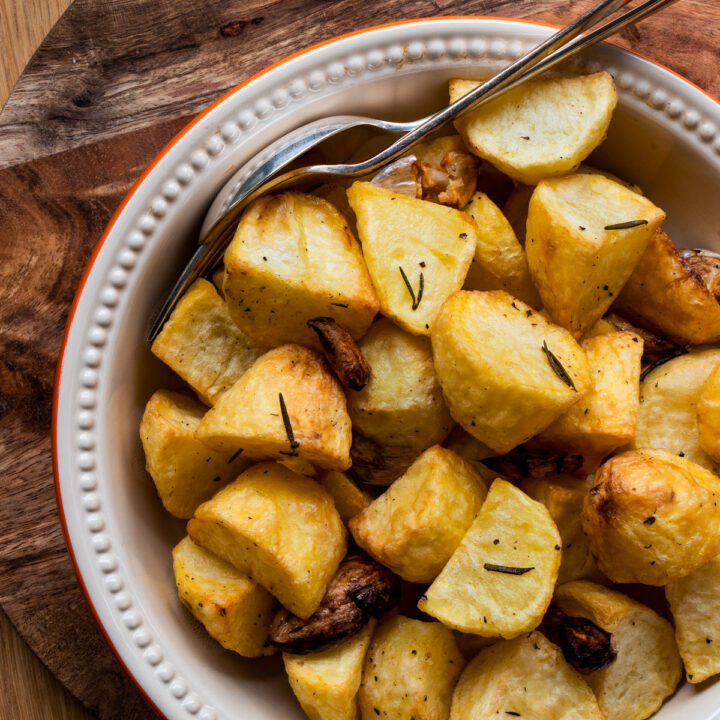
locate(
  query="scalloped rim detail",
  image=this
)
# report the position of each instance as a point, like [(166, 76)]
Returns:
[(81, 485)]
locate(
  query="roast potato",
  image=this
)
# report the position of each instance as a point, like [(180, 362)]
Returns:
[(708, 415), (652, 517), (647, 666), (417, 252), (348, 497), (326, 683), (293, 258), (410, 671), (563, 496), (668, 412), (402, 405), (471, 450), (494, 357), (516, 209), (185, 471), (604, 419), (695, 606), (540, 129), (500, 579), (288, 405), (526, 677), (247, 524), (202, 344), (235, 610), (581, 245), (668, 296), (499, 262), (415, 526)]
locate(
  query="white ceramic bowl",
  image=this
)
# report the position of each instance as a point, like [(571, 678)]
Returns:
[(664, 137)]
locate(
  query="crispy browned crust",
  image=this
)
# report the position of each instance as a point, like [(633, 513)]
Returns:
[(585, 646), (655, 347), (361, 588), (376, 464), (534, 463), (452, 182), (707, 268), (341, 351)]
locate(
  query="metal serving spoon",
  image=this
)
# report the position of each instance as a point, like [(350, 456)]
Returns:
[(263, 173)]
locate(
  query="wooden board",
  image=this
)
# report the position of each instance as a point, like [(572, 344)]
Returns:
[(113, 81)]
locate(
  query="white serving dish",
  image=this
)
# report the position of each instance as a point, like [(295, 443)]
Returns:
[(664, 137)]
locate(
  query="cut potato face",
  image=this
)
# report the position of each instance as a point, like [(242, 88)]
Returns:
[(185, 471), (294, 258), (402, 405), (246, 524), (410, 671), (236, 611), (564, 497), (494, 357), (499, 262), (526, 677), (472, 451), (406, 239), (582, 244), (667, 296), (500, 580), (695, 606), (708, 415), (524, 133), (668, 413), (652, 517), (348, 497), (288, 405), (647, 667), (202, 344), (605, 418), (326, 683), (415, 526)]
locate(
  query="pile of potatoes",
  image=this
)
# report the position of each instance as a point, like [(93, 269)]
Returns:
[(452, 433)]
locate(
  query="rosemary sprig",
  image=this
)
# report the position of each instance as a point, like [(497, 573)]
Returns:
[(557, 367), (342, 305), (415, 300), (294, 444), (507, 569), (626, 225), (234, 455)]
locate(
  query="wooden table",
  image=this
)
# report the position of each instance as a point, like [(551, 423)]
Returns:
[(113, 81)]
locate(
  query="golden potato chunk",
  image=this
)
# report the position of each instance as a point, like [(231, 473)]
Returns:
[(472, 451), (667, 296), (668, 415), (652, 517), (417, 252), (500, 580), (605, 417), (402, 405), (288, 405), (280, 528), (695, 606), (235, 610), (415, 526), (582, 244), (410, 671), (294, 258), (202, 344), (708, 415), (326, 683), (647, 667), (563, 496), (526, 677), (499, 262), (523, 132), (185, 471), (349, 499), (501, 367)]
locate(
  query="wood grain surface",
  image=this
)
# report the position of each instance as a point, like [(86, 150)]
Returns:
[(112, 82)]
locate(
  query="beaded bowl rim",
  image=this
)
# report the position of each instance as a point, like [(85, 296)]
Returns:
[(187, 702)]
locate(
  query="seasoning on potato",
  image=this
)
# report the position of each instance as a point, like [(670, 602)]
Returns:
[(500, 579), (652, 517), (246, 524), (505, 371)]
